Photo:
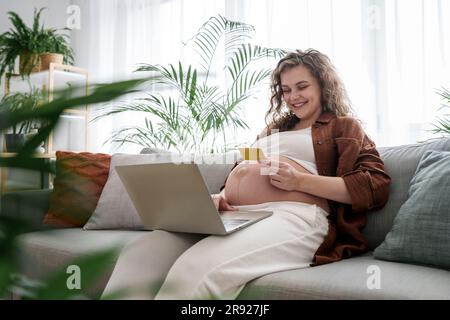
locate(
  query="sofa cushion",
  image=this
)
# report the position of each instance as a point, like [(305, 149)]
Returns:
[(80, 178), (115, 209), (400, 163), (43, 252), (421, 231), (347, 279), (213, 167)]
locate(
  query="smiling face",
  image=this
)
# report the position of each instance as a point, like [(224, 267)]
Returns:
[(302, 93)]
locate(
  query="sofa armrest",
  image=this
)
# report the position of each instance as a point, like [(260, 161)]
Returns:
[(30, 205)]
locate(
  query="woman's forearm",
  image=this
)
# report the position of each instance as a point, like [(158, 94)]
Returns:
[(332, 188)]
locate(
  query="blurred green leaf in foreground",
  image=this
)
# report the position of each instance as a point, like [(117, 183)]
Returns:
[(11, 228)]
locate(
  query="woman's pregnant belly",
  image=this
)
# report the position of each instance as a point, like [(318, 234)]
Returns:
[(246, 185)]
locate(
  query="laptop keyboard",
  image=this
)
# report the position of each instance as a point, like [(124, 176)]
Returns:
[(233, 223)]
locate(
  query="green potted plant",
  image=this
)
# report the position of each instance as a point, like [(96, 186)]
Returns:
[(20, 41), (196, 113), (19, 133), (28, 43), (54, 48), (443, 123)]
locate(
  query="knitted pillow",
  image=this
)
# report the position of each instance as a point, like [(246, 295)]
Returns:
[(79, 181), (421, 230)]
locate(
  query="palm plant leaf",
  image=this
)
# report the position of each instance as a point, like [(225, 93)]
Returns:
[(200, 112), (442, 126), (218, 118), (157, 105), (207, 39), (445, 94), (174, 77), (207, 97), (246, 54), (134, 135), (443, 122), (245, 83), (244, 80), (147, 137), (173, 125), (185, 82)]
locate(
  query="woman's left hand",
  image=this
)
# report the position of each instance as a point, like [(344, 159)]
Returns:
[(282, 175)]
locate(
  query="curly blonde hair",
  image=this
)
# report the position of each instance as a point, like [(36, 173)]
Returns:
[(333, 94)]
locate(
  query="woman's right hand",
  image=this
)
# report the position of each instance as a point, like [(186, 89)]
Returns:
[(221, 203)]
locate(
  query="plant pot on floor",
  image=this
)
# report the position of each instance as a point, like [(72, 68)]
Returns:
[(48, 57), (29, 62)]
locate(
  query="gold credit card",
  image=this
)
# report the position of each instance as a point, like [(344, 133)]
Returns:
[(252, 154)]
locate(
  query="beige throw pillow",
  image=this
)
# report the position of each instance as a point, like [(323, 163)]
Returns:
[(115, 209)]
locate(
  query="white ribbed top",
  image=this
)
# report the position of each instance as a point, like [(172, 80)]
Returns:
[(297, 145)]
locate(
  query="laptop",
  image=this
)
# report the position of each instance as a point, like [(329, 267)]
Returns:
[(174, 197)]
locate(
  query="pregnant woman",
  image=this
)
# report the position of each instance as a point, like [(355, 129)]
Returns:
[(322, 175)]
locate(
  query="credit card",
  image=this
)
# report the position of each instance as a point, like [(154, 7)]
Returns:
[(252, 154)]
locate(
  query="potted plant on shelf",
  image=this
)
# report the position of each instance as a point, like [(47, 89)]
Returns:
[(28, 43), (20, 133), (54, 48), (20, 41)]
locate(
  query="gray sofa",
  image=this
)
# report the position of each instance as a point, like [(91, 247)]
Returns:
[(44, 251)]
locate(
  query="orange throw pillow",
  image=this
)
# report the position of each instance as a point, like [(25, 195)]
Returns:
[(78, 184)]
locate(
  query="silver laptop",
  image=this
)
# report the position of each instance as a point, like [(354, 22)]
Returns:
[(174, 197)]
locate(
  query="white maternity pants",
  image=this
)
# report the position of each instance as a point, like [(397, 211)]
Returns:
[(191, 266)]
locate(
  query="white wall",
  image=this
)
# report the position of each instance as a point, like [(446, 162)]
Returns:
[(54, 16)]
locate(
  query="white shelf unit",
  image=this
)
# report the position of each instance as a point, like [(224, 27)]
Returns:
[(72, 131)]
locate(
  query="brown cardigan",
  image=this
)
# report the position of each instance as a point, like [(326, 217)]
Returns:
[(342, 149)]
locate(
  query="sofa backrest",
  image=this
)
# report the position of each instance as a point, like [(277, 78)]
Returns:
[(400, 163), (214, 168)]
